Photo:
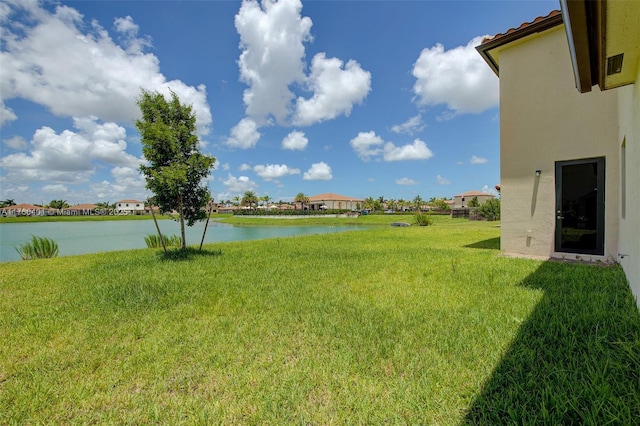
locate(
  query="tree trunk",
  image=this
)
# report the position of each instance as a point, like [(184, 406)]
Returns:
[(182, 234), (206, 225), (164, 246)]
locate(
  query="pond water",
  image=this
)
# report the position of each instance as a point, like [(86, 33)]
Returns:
[(92, 237)]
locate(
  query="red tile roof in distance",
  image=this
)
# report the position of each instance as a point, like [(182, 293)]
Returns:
[(523, 26)]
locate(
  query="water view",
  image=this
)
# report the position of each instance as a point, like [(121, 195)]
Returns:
[(92, 237)]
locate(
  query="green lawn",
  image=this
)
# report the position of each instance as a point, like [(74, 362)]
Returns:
[(417, 325)]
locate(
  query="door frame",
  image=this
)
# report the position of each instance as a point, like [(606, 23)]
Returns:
[(600, 205)]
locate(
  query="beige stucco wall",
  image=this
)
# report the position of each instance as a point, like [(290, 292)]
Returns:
[(544, 119), (481, 200), (335, 204), (629, 240)]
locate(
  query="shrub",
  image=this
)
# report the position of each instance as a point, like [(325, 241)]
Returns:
[(38, 248), (153, 241), (424, 219), (490, 210)]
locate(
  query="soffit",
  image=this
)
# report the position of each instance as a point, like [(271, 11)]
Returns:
[(490, 47), (622, 35)]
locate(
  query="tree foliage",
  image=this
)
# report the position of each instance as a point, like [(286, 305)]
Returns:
[(176, 169), (490, 209), (439, 204), (301, 198), (249, 199), (58, 204)]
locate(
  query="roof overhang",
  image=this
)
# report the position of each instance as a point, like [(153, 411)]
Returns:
[(490, 48), (604, 41)]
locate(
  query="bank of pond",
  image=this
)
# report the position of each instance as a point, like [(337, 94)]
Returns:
[(75, 238)]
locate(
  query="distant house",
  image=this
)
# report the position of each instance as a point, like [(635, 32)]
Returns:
[(462, 200), (331, 201), (130, 207), (80, 210), (24, 209), (570, 159)]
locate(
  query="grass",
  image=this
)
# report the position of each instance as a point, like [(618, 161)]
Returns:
[(365, 220), (425, 325)]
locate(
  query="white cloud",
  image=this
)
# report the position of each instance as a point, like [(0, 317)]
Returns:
[(441, 180), (411, 126), (335, 90), (6, 114), (406, 181), (129, 31), (75, 69), (270, 172), (418, 150), (490, 190), (477, 160), (55, 189), (244, 167), (238, 185), (225, 167), (367, 145), (127, 182), (457, 78), (244, 135), (295, 140), (272, 38), (16, 142), (318, 171), (69, 156)]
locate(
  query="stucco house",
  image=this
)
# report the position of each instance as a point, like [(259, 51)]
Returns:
[(331, 201), (130, 207), (570, 151), (462, 200)]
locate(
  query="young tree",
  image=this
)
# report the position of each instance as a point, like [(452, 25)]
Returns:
[(176, 168)]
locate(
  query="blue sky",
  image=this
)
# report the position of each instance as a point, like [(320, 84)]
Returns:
[(360, 98)]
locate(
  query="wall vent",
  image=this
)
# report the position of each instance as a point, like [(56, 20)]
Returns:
[(614, 64)]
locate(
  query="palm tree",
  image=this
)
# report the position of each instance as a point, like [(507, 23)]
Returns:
[(7, 203), (370, 203), (301, 198), (249, 199), (266, 199), (58, 204), (417, 203), (236, 200), (392, 204)]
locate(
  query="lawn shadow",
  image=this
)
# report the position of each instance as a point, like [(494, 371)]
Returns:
[(179, 255), (491, 244), (575, 360)]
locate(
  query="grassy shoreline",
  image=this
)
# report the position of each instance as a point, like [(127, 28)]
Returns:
[(371, 219), (398, 325)]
